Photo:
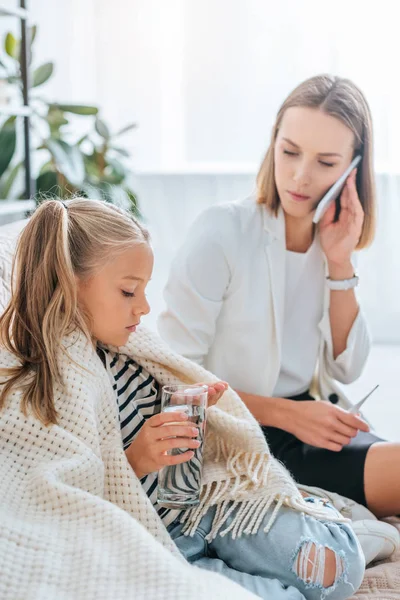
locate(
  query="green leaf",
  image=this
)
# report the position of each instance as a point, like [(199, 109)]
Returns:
[(77, 109), (55, 116), (56, 119), (47, 183), (125, 129), (32, 33), (14, 79), (12, 46), (68, 160), (121, 151), (42, 74), (102, 129), (8, 139), (82, 139), (9, 179), (47, 166), (134, 207), (92, 171), (115, 171)]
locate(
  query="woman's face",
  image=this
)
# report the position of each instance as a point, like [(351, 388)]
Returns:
[(115, 295), (312, 150)]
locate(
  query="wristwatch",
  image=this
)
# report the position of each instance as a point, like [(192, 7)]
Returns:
[(342, 284)]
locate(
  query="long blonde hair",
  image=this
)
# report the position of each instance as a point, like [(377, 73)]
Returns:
[(60, 243), (341, 99)]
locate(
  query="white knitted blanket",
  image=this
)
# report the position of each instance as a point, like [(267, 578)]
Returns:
[(75, 523), (74, 516)]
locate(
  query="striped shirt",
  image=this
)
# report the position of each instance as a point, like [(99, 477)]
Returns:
[(139, 398)]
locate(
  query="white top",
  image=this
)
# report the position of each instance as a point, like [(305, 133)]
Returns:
[(304, 298), (225, 301)]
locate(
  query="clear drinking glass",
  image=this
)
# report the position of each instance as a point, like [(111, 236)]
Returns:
[(179, 485)]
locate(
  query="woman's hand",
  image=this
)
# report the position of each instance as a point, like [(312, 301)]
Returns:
[(339, 240), (324, 425), (160, 433)]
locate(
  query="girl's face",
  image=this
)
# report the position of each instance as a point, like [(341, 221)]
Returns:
[(115, 296), (312, 150)]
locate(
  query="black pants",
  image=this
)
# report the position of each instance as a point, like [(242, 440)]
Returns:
[(341, 472)]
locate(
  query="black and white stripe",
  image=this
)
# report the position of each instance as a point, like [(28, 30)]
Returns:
[(139, 398)]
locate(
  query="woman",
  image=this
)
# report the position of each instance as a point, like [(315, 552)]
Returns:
[(263, 298)]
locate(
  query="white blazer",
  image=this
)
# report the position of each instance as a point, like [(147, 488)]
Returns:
[(225, 303)]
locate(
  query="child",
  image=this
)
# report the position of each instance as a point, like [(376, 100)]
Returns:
[(82, 268)]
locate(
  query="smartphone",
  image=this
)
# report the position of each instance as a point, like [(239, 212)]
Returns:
[(334, 191)]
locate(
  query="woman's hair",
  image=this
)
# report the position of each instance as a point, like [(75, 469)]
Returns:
[(61, 242), (341, 99)]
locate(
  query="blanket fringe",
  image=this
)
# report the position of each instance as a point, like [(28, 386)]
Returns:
[(249, 493), (247, 520)]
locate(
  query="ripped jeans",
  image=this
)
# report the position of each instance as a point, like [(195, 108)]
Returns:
[(299, 558)]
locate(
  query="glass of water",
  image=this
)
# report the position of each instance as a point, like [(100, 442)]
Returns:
[(179, 485)]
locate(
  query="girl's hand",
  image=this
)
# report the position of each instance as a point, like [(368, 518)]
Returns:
[(339, 240), (215, 391), (324, 425), (160, 433)]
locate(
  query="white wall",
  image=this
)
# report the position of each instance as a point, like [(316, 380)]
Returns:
[(204, 79), (67, 36)]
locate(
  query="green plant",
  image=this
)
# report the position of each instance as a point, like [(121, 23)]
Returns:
[(92, 165)]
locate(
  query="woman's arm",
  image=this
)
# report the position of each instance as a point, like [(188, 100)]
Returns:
[(319, 424), (343, 308), (344, 329), (197, 283)]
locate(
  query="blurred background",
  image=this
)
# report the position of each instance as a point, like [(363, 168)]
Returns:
[(166, 107)]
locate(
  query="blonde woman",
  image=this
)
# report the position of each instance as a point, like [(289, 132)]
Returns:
[(263, 298), (72, 358)]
